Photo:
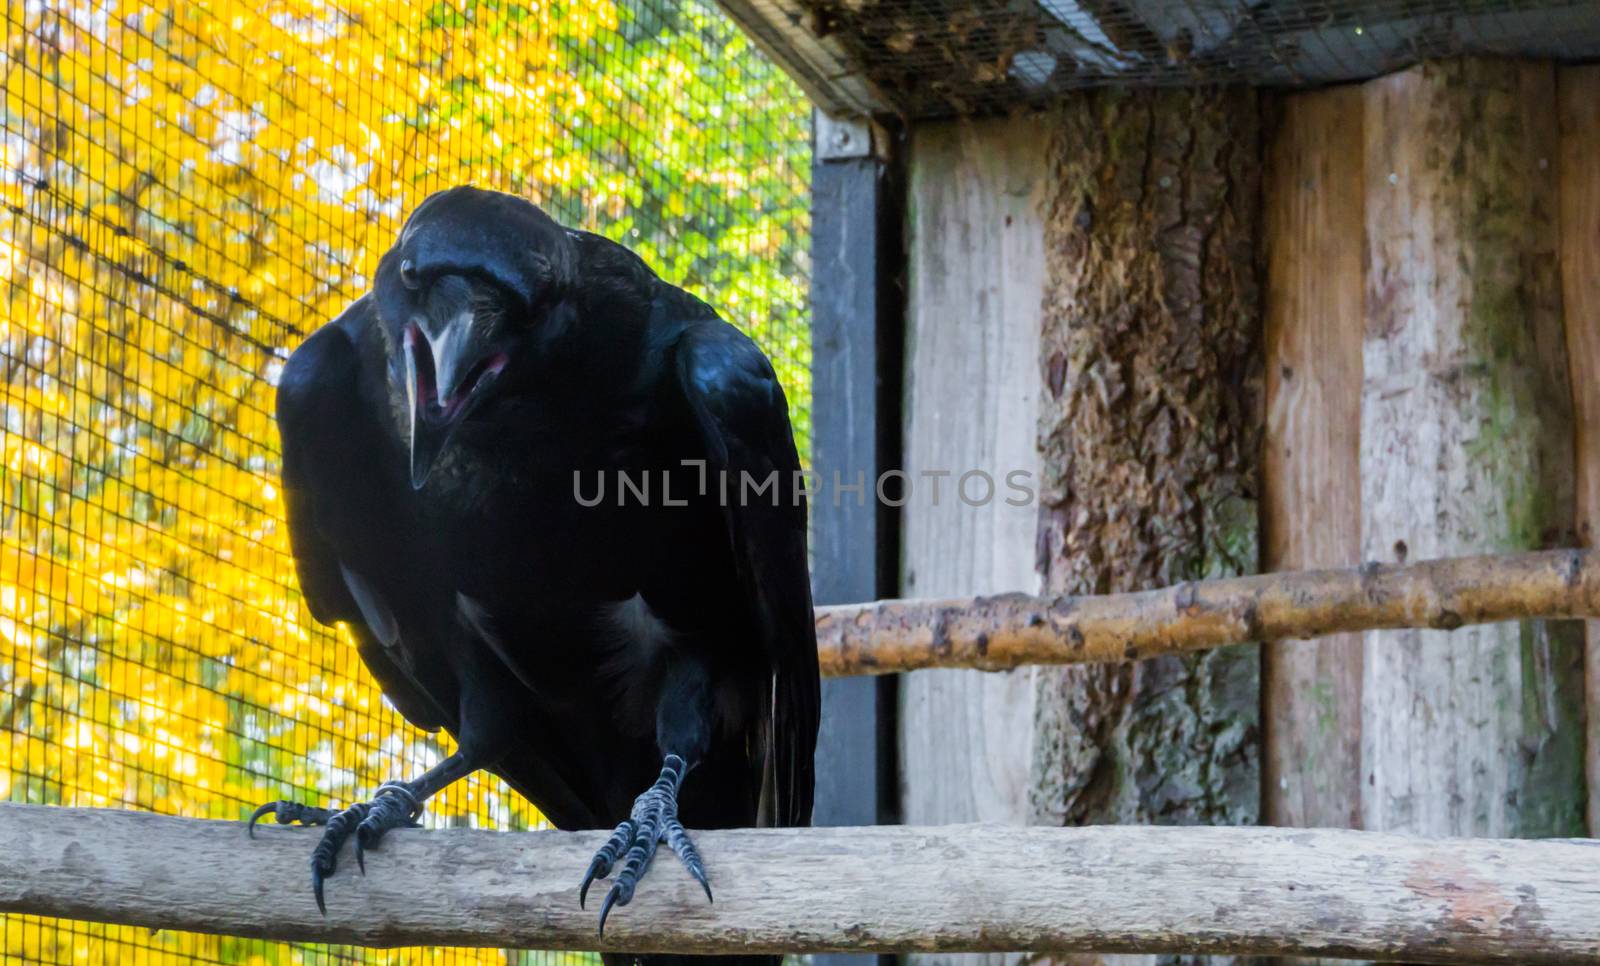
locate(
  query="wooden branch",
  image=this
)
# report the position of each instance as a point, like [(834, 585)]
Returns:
[(1009, 630), (1259, 891)]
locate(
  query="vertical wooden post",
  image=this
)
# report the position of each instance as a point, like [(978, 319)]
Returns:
[(976, 271), (1150, 425), (976, 274), (1579, 93), (1310, 469), (1466, 446)]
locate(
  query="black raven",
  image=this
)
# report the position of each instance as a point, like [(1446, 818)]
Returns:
[(557, 500)]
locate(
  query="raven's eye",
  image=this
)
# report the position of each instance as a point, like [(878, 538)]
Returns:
[(408, 275)]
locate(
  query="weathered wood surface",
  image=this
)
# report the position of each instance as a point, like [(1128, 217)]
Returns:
[(884, 889), (1011, 630), (1149, 430), (1579, 91), (1311, 460), (1466, 447), (975, 246)]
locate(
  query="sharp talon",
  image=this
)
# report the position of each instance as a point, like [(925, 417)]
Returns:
[(597, 870), (316, 887), (654, 820), (605, 907), (394, 805), (367, 835), (677, 838), (287, 813), (600, 866), (255, 817)]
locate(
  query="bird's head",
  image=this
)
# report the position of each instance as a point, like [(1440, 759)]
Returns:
[(476, 278)]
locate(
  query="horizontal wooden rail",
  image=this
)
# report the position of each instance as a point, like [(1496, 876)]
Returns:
[(1010, 630), (955, 888)]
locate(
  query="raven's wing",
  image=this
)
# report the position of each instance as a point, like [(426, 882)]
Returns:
[(329, 449), (743, 418)]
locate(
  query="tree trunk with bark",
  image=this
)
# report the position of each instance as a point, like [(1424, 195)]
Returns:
[(1150, 427)]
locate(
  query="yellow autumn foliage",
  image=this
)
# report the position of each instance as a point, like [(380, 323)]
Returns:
[(188, 189)]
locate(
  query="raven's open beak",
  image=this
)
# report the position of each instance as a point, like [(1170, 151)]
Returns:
[(443, 390)]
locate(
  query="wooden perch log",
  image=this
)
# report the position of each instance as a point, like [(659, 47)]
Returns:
[(976, 888), (1010, 630)]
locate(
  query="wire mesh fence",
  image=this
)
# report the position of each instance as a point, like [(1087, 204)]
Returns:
[(188, 189), (929, 58)]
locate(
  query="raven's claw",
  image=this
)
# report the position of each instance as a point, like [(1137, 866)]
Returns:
[(677, 838), (287, 813), (394, 806), (608, 855), (654, 820)]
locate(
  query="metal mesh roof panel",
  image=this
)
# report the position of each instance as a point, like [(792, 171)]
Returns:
[(931, 58)]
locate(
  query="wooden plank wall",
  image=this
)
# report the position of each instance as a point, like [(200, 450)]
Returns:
[(1431, 356), (974, 237), (1466, 447), (1579, 177), (1310, 466), (1448, 346)]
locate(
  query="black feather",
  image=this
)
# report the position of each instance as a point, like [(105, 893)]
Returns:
[(743, 419)]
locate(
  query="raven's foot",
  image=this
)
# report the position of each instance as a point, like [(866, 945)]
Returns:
[(654, 820), (395, 805)]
